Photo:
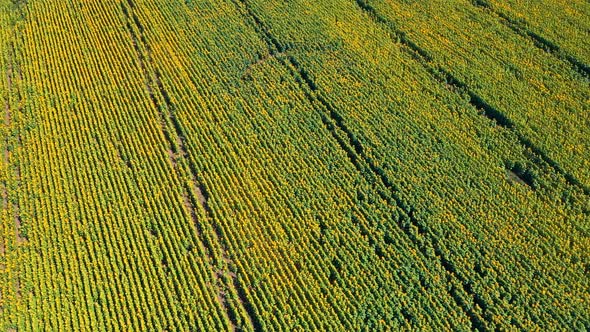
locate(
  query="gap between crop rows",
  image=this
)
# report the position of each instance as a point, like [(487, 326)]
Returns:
[(446, 78), (334, 123), (538, 40), (194, 193)]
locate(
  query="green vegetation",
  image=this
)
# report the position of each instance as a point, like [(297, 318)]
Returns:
[(294, 165)]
